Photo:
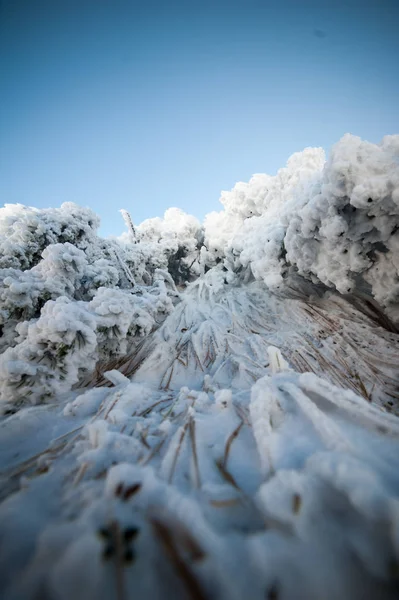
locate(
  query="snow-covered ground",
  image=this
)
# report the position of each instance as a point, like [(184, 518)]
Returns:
[(234, 437)]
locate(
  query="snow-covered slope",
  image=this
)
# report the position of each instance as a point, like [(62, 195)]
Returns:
[(242, 443)]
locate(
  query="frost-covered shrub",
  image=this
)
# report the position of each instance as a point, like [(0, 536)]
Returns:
[(63, 271), (251, 220), (98, 274), (92, 279), (220, 228), (336, 222), (19, 294), (261, 247), (351, 220), (115, 313), (26, 231), (172, 244), (123, 316), (51, 353), (266, 193), (24, 293)]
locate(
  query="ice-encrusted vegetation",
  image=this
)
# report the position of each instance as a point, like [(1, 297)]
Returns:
[(207, 410)]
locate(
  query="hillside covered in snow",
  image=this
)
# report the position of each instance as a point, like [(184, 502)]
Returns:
[(206, 410)]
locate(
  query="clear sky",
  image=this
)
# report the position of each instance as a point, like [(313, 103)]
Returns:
[(146, 105)]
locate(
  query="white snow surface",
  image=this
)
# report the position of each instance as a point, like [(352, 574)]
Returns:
[(234, 437)]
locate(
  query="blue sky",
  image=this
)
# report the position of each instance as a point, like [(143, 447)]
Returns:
[(147, 105)]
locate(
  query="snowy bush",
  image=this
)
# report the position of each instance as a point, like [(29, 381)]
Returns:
[(348, 227), (93, 280), (122, 316), (334, 222), (63, 271), (251, 220), (52, 352), (50, 355), (26, 231), (172, 243)]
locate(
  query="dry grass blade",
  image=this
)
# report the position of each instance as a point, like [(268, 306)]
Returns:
[(186, 541), (194, 450), (371, 309), (127, 365), (296, 503), (52, 451), (340, 379), (82, 470), (229, 442), (29, 462), (112, 404), (227, 476), (143, 440), (185, 574), (153, 452), (101, 408), (242, 414), (147, 410), (169, 378), (169, 411), (179, 445), (196, 357), (64, 435), (301, 363), (362, 387), (225, 503), (269, 523), (328, 324)]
